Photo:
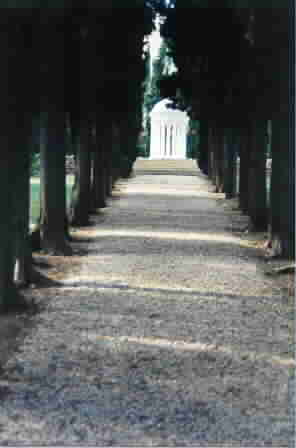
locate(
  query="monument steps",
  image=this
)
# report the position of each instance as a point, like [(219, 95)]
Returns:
[(166, 166)]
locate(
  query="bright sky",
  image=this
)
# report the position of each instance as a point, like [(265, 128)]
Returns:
[(155, 41)]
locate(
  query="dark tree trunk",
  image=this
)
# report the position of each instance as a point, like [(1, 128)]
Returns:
[(107, 141), (115, 153), (128, 140), (53, 184), (203, 153), (244, 171), (14, 192), (211, 167), (219, 160), (131, 155), (230, 171), (283, 187), (283, 134), (80, 205), (8, 162), (108, 177), (14, 78), (51, 33), (23, 251), (34, 236), (257, 204), (98, 187), (275, 39)]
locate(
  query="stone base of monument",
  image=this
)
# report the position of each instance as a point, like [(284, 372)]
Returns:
[(174, 167)]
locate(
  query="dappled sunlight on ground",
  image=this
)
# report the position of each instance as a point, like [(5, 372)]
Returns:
[(171, 192), (181, 236), (192, 347), (160, 330), (177, 236)]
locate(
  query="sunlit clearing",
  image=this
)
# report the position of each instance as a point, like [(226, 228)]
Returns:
[(178, 236), (165, 191), (193, 347)]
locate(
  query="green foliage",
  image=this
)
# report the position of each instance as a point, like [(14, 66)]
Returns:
[(207, 45), (35, 198), (143, 147), (193, 140), (35, 164), (152, 92), (269, 136), (35, 203)]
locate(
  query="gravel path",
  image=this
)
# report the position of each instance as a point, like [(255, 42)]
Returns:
[(168, 334)]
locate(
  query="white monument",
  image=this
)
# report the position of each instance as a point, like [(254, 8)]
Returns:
[(168, 132)]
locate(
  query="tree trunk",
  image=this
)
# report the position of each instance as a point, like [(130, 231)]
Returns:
[(257, 204), (203, 150), (80, 205), (23, 251), (230, 164), (108, 177), (53, 184), (14, 192), (98, 188), (244, 171), (14, 76), (107, 141), (283, 187), (275, 35), (8, 163), (127, 154), (117, 134), (283, 141), (211, 159), (219, 161)]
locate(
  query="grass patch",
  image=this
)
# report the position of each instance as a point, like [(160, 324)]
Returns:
[(35, 197)]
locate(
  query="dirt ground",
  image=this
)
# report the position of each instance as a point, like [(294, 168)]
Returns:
[(163, 329)]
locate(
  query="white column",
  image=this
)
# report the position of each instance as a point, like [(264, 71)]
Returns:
[(164, 141), (162, 154), (168, 141), (160, 140), (168, 135), (162, 150), (176, 140), (153, 137), (183, 141), (173, 140)]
